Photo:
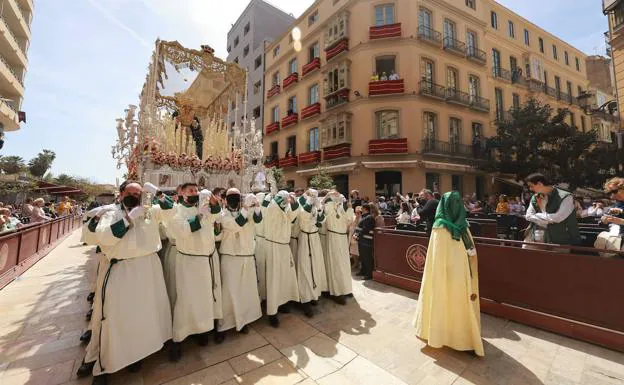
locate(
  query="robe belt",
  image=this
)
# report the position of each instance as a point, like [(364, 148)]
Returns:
[(212, 274), (292, 264), (238, 256), (260, 236), (112, 262), (335, 232), (310, 255), (367, 237), (295, 238), (247, 256)]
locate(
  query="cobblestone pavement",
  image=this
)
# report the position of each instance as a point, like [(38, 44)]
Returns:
[(368, 341)]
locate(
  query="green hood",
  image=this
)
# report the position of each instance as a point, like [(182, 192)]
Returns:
[(451, 215)]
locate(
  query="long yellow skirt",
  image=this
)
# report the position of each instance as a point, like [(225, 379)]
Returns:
[(446, 315)]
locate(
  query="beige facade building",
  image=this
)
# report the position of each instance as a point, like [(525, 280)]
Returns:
[(396, 95), (15, 20)]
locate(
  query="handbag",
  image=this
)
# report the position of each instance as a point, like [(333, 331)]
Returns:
[(608, 241)]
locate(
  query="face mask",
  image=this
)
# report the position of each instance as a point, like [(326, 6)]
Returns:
[(233, 201), (130, 201), (192, 199)]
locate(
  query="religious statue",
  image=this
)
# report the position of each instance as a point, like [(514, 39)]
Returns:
[(198, 137)]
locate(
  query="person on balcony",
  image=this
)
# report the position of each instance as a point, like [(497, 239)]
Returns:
[(394, 76), (375, 77), (448, 310), (383, 77)]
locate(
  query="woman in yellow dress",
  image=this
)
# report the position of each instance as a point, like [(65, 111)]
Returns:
[(448, 311)]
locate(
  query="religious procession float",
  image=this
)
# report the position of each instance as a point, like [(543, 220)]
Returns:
[(192, 124)]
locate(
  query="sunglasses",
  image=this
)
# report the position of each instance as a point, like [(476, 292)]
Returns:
[(615, 191)]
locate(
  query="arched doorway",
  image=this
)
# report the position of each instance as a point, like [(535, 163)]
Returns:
[(388, 183)]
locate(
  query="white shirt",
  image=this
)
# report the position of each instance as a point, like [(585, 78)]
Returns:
[(544, 219)]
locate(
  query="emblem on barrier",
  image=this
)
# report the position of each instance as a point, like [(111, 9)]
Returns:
[(416, 255)]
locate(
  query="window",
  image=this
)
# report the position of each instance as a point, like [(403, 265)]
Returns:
[(313, 18), (247, 27), (274, 149), (471, 43), (452, 79), (385, 65), (541, 45), (337, 78), (246, 51), (291, 146), (425, 22), (474, 87), (546, 78), (569, 88), (566, 58), (275, 114), (513, 63), (432, 181), (313, 94), (258, 62), (583, 122), (387, 123), (429, 126), (236, 40), (336, 130), (454, 132), (555, 52), (449, 32), (496, 61), (456, 183), (336, 29), (471, 4), (276, 79), (572, 119), (292, 105), (427, 71), (578, 64), (512, 31), (256, 112), (527, 37), (313, 139), (500, 107), (257, 87), (384, 14), (314, 52), (477, 129), (558, 86), (579, 90), (292, 66), (276, 51), (494, 20), (516, 101)]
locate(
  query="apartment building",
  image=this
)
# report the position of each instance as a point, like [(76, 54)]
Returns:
[(396, 95), (614, 9), (259, 24), (600, 101), (15, 20)]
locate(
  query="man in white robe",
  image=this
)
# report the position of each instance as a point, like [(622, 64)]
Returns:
[(338, 216), (135, 317), (265, 199), (241, 302), (169, 252), (198, 277), (281, 277), (294, 233), (311, 274)]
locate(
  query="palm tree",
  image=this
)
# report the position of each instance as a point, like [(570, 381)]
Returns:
[(12, 164)]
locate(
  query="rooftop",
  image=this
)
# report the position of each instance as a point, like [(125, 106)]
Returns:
[(368, 341)]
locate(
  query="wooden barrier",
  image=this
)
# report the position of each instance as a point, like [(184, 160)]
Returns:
[(571, 293), (28, 245)]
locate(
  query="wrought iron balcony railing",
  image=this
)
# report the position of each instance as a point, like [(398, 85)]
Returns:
[(501, 73), (479, 103), (456, 96), (455, 46), (453, 148), (429, 35), (431, 89), (475, 54)]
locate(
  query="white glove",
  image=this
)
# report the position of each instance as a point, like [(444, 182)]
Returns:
[(204, 197), (268, 197), (136, 213), (150, 188), (250, 200), (257, 210), (245, 213), (204, 209)]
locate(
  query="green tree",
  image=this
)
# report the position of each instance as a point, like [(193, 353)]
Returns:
[(322, 180), (65, 180), (537, 138), (40, 164), (12, 164)]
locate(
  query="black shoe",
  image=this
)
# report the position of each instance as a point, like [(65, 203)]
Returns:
[(367, 277), (284, 309), (86, 337), (340, 299), (360, 274), (307, 310), (175, 352), (134, 368), (91, 296), (325, 294), (202, 339), (102, 379), (86, 369), (314, 302), (274, 321), (89, 314), (219, 337), (244, 329)]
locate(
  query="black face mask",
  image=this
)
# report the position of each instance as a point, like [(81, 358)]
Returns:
[(192, 199), (233, 201), (130, 201)]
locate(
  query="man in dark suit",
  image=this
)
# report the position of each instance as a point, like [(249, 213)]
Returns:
[(427, 210)]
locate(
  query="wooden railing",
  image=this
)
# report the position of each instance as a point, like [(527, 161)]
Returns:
[(30, 243)]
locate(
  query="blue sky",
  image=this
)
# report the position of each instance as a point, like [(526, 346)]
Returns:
[(88, 60)]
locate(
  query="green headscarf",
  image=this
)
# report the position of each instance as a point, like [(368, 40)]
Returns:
[(451, 215)]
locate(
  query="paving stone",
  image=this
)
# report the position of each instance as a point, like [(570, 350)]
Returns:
[(255, 359), (214, 375), (360, 371), (280, 372)]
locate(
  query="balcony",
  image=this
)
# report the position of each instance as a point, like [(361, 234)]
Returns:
[(312, 66), (8, 117), (17, 81), (453, 149), (341, 150), (273, 127), (14, 44), (275, 90), (288, 161), (476, 55), (309, 158), (337, 48), (535, 85), (429, 35), (432, 90), (290, 80), (457, 97), (551, 92), (387, 146), (517, 78), (290, 120), (479, 104), (565, 97), (386, 87), (454, 46), (337, 98), (501, 74), (311, 110), (20, 14), (271, 161), (503, 117), (385, 31)]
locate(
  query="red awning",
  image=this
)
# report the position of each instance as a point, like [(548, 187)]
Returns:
[(55, 189)]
